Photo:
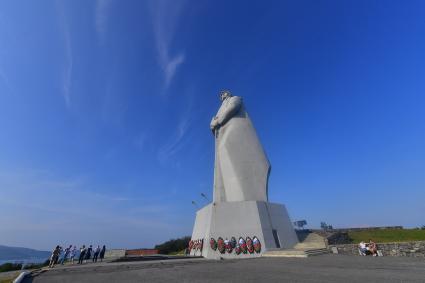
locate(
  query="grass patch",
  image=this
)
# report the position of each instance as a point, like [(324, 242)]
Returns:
[(9, 277), (177, 253), (388, 235)]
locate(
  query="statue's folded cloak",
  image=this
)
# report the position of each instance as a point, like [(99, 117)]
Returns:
[(241, 167)]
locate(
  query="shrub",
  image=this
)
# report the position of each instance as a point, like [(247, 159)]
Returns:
[(173, 245), (10, 267)]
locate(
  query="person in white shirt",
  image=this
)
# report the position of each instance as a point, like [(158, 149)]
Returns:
[(73, 254), (363, 248)]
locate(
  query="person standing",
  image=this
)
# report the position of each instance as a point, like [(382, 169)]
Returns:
[(54, 256), (96, 254), (102, 253), (88, 253), (66, 254), (60, 252), (73, 254), (82, 254)]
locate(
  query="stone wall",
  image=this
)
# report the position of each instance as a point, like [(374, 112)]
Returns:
[(114, 254), (409, 249)]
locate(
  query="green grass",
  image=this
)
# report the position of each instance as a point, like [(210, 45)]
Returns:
[(386, 236), (177, 253), (9, 277)]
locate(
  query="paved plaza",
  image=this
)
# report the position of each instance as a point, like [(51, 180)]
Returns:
[(325, 268)]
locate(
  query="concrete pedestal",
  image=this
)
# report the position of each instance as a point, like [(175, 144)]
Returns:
[(269, 222)]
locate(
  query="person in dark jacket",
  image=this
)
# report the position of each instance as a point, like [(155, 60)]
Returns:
[(82, 254), (54, 257), (88, 253), (96, 254), (102, 253)]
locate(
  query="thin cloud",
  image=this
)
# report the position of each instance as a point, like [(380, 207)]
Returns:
[(101, 18), (140, 140), (176, 142), (170, 68), (31, 196), (67, 76), (166, 15), (68, 64), (179, 138)]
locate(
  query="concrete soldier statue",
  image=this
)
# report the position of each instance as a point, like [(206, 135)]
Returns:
[(240, 209), (241, 166)]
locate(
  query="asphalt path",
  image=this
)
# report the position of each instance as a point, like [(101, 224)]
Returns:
[(325, 268)]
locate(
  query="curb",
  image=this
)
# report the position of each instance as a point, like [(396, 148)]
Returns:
[(21, 277)]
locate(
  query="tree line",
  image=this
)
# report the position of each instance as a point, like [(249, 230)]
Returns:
[(173, 245)]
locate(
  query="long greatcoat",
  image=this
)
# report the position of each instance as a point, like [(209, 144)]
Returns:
[(241, 167)]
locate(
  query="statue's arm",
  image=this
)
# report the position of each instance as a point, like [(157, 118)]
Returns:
[(232, 108)]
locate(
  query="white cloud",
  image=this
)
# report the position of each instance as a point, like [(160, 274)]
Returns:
[(67, 74), (170, 68), (101, 18), (166, 15), (67, 69), (179, 138)]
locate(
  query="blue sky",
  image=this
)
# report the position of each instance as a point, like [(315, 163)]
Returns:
[(105, 109)]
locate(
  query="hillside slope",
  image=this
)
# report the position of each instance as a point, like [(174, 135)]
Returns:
[(17, 253)]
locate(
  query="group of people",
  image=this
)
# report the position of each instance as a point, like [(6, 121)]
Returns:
[(94, 254), (368, 248), (60, 255)]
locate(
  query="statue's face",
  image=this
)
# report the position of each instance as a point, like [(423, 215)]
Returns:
[(224, 95)]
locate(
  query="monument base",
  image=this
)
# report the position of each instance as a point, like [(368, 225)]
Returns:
[(268, 222)]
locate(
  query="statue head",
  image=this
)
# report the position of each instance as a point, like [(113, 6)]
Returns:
[(225, 94)]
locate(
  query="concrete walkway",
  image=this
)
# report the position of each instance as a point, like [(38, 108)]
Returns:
[(326, 268)]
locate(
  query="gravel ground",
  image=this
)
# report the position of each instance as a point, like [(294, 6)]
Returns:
[(325, 268)]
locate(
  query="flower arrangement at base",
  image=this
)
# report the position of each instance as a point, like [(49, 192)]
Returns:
[(233, 242), (213, 244), (238, 249), (220, 245), (242, 244), (257, 244), (249, 245), (228, 246)]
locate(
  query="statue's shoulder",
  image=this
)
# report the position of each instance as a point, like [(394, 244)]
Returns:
[(236, 99)]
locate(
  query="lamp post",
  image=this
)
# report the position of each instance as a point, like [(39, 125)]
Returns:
[(195, 204), (205, 197)]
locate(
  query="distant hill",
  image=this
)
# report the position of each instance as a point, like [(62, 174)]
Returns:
[(15, 253)]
